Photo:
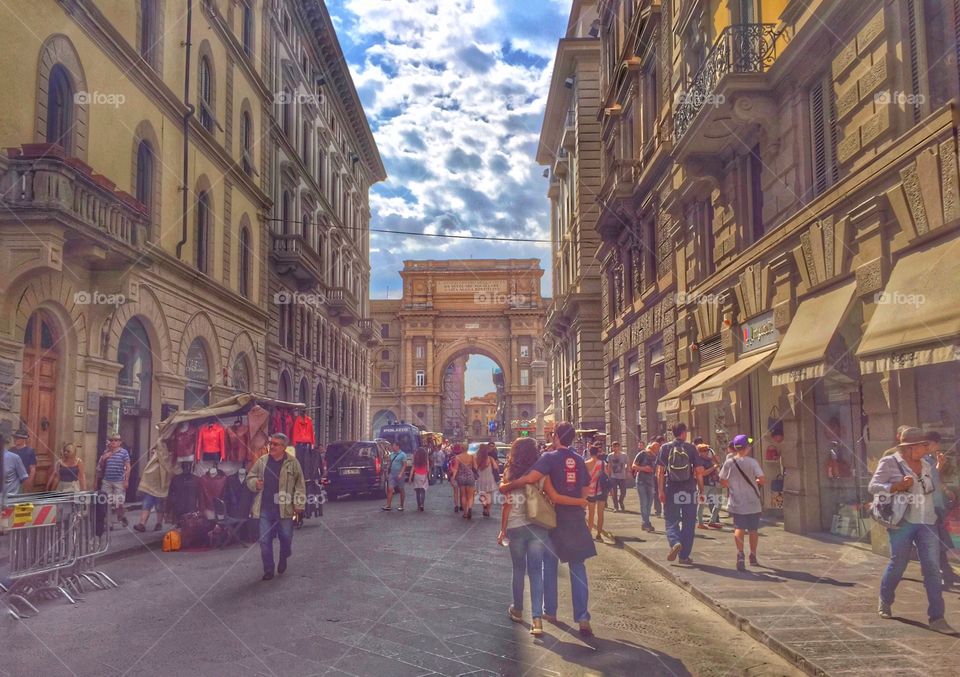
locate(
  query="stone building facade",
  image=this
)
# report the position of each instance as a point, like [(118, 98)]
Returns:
[(570, 150), (322, 163), (780, 233), (132, 233)]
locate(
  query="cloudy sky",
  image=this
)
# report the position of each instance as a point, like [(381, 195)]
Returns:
[(455, 92)]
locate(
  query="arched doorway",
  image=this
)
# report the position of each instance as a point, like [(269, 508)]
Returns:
[(332, 433), (472, 386), (38, 391), (344, 426), (354, 419), (135, 390), (380, 419), (318, 416), (283, 388), (197, 391), (302, 391)]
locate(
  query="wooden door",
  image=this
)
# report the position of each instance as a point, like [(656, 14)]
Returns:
[(38, 395)]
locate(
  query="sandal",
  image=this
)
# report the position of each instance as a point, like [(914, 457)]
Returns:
[(515, 615)]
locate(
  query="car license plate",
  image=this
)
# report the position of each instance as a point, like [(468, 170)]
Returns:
[(350, 471)]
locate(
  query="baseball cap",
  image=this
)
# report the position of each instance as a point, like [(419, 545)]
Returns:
[(742, 441)]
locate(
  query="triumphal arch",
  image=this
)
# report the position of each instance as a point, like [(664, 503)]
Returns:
[(449, 311)]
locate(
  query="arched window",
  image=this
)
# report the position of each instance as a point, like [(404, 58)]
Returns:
[(305, 227), (203, 231), (285, 209), (245, 261), (148, 31), (206, 94), (287, 112), (145, 177), (246, 138), (60, 108), (248, 29)]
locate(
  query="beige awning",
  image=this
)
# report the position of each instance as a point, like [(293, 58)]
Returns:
[(671, 401), (917, 316), (713, 388), (803, 351)]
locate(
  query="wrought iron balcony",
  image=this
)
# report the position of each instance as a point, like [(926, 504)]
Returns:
[(562, 164), (742, 49), (294, 258), (569, 138), (102, 225), (343, 305)]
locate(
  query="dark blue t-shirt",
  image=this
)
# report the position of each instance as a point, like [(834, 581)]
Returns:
[(27, 455), (689, 485), (567, 471)]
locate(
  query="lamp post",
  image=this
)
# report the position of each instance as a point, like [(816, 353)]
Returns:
[(539, 368)]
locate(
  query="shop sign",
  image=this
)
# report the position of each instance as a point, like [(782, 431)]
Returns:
[(758, 333)]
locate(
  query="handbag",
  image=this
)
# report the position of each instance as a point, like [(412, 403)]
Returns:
[(753, 484), (539, 509), (777, 484), (886, 511)]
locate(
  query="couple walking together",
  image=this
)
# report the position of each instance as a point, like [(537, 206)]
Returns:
[(535, 551)]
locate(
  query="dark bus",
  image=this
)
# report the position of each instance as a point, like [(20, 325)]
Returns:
[(404, 434)]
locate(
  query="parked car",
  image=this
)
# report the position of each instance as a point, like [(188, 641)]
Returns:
[(357, 468)]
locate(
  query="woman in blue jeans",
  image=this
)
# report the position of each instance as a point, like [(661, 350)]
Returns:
[(529, 543), (906, 479)]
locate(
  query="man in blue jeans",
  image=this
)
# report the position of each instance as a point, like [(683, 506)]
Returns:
[(282, 493), (679, 477), (644, 469)]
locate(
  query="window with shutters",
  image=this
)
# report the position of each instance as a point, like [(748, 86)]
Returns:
[(823, 135)]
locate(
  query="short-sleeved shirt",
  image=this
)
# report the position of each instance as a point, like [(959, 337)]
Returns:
[(663, 457), (646, 459), (567, 472), (114, 467), (397, 463), (27, 455), (617, 466), (14, 474), (743, 498)]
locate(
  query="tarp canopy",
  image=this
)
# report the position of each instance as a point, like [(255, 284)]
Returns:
[(803, 351), (671, 401), (155, 479), (712, 390), (917, 316)]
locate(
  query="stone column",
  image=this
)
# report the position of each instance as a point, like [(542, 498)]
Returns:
[(539, 368)]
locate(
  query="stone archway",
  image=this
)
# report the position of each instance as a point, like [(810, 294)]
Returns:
[(450, 376)]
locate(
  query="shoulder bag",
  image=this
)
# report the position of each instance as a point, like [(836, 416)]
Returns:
[(886, 511), (539, 509), (753, 484)]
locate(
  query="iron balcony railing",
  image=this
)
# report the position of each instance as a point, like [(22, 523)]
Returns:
[(741, 48)]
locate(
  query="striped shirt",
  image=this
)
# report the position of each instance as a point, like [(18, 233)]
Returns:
[(113, 470)]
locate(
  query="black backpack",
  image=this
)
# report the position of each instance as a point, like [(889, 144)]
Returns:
[(679, 463)]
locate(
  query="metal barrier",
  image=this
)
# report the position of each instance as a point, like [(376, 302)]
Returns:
[(52, 547)]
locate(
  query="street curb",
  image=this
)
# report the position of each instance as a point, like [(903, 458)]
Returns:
[(735, 619), (130, 550)]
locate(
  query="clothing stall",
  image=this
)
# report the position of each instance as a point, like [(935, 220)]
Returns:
[(202, 456)]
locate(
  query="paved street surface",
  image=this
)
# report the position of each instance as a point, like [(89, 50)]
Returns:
[(370, 593), (817, 597)]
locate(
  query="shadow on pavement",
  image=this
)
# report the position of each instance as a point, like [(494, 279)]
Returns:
[(609, 656)]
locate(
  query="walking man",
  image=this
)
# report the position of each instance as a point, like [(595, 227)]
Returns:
[(645, 469), (712, 492), (617, 470), (396, 478), (679, 477), (114, 468), (742, 477), (28, 456), (281, 494)]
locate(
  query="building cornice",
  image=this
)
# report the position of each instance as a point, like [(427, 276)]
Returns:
[(569, 52)]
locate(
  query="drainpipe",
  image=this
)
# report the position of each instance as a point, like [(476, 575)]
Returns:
[(186, 133)]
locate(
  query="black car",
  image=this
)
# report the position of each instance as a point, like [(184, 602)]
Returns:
[(356, 468)]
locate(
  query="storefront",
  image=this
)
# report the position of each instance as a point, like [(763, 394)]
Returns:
[(196, 393), (135, 392), (910, 352)]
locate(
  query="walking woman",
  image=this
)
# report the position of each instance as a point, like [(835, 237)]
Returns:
[(451, 463), (67, 473), (486, 482), (597, 499), (465, 477), (420, 476)]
